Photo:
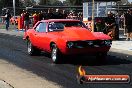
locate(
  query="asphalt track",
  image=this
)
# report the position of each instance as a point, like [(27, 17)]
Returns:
[(13, 49)]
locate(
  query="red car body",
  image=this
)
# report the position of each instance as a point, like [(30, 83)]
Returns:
[(72, 37)]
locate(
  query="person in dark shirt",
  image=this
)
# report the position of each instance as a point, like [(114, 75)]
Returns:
[(117, 23), (110, 25), (41, 16), (50, 14), (7, 19), (26, 20), (64, 15), (128, 23)]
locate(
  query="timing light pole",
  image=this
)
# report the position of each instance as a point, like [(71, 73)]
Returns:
[(93, 15), (14, 11)]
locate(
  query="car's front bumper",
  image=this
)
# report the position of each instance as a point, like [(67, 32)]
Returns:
[(89, 50)]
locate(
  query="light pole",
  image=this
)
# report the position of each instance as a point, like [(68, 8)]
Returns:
[(118, 3), (93, 15), (14, 11)]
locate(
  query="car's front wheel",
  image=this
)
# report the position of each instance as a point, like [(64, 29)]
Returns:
[(55, 54), (31, 49)]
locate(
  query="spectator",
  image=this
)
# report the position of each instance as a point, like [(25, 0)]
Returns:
[(41, 16), (23, 17), (117, 19), (110, 25), (58, 14), (50, 14), (26, 20), (64, 14), (128, 22), (35, 18), (7, 19), (122, 21)]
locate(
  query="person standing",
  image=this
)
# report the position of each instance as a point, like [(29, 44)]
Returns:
[(110, 25), (122, 21), (26, 20), (117, 21), (128, 22), (22, 18), (7, 19), (35, 18), (41, 16), (50, 14)]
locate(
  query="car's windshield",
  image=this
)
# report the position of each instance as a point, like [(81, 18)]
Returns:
[(53, 26), (59, 25), (72, 24)]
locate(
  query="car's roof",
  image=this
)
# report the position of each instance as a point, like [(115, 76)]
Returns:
[(55, 20)]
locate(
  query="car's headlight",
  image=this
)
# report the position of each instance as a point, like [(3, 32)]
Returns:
[(108, 42), (70, 44)]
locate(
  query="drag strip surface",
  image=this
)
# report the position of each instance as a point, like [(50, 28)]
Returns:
[(13, 49)]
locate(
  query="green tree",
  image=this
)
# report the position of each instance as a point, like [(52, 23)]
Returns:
[(55, 2), (50, 2), (78, 2), (1, 3), (75, 2), (43, 2), (25, 3), (1, 7)]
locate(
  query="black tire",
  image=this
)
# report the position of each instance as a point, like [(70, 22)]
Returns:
[(56, 55), (31, 49)]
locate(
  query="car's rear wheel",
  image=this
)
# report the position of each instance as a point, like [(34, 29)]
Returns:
[(31, 49), (55, 54)]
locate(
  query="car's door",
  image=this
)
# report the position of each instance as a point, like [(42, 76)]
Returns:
[(41, 35), (33, 35)]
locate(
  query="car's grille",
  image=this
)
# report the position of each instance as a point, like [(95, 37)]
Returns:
[(88, 43), (84, 44)]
